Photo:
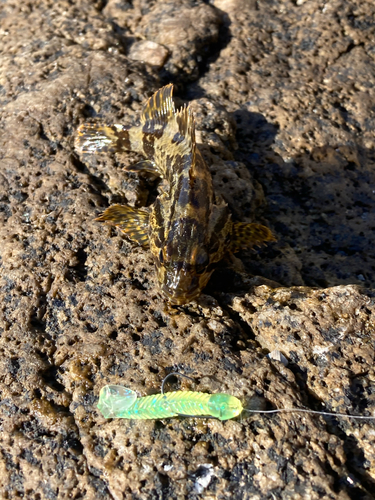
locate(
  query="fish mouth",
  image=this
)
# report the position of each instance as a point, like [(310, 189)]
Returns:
[(179, 297), (182, 288)]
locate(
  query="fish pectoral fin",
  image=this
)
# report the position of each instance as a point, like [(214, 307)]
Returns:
[(95, 138), (144, 166), (134, 222), (246, 235)]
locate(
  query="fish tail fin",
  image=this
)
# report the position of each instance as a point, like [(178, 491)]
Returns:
[(96, 138)]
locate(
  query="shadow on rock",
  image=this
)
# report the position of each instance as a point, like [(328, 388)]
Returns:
[(320, 205)]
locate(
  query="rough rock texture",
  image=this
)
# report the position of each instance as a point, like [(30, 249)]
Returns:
[(283, 94)]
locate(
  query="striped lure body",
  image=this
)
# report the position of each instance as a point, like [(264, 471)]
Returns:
[(116, 401), (187, 229)]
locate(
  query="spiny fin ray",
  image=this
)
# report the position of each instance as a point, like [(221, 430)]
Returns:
[(160, 106), (186, 126), (133, 222)]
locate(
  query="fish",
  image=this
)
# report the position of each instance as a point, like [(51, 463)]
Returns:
[(189, 228)]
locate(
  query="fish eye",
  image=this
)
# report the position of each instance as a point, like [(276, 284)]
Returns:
[(201, 262)]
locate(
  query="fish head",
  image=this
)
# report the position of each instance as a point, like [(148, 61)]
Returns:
[(183, 277)]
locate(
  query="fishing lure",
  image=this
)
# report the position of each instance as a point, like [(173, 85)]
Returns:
[(116, 401), (188, 229)]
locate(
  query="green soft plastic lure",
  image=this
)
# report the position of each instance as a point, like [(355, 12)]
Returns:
[(116, 401)]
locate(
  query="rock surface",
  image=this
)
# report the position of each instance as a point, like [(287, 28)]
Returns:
[(283, 94)]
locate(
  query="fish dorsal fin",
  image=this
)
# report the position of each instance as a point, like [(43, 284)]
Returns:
[(186, 126), (160, 106), (169, 135), (179, 136)]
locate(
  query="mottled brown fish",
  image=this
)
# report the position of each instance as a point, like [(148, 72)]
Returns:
[(188, 229)]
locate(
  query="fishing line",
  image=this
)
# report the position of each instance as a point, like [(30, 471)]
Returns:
[(278, 410)]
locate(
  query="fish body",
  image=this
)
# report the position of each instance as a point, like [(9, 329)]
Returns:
[(188, 229)]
